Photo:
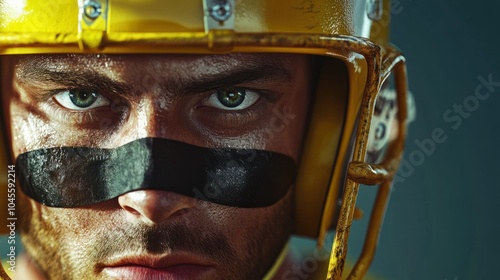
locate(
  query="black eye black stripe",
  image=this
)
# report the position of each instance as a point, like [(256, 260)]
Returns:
[(78, 176)]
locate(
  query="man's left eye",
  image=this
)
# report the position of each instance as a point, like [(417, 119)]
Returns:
[(80, 100), (232, 99)]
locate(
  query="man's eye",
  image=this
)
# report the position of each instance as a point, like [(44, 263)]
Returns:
[(75, 99), (232, 99)]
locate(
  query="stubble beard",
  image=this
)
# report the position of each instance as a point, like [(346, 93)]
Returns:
[(58, 255)]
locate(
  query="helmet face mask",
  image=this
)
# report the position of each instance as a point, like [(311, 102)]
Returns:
[(356, 59)]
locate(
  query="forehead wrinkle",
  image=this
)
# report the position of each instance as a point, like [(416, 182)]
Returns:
[(193, 62), (93, 60)]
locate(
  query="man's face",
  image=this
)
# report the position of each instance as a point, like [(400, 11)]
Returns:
[(238, 101)]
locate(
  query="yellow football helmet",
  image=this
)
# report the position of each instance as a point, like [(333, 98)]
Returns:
[(352, 37)]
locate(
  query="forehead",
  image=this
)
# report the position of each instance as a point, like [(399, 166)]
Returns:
[(179, 62), (174, 68)]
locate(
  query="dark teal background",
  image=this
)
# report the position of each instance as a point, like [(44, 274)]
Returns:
[(443, 221)]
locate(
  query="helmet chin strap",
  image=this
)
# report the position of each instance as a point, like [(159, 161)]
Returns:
[(79, 176)]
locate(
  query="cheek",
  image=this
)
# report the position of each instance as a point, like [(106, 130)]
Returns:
[(44, 232), (68, 235), (26, 124), (52, 221), (30, 132), (249, 229), (37, 125), (285, 128)]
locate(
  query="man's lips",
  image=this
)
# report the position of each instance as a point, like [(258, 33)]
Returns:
[(172, 266), (158, 261)]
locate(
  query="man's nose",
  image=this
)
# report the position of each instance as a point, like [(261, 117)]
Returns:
[(155, 206)]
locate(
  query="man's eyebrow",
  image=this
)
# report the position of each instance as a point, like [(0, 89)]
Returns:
[(232, 77), (82, 79)]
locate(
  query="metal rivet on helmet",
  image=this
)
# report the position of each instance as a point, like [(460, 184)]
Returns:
[(92, 9), (221, 10)]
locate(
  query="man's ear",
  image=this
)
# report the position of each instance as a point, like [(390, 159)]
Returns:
[(384, 126)]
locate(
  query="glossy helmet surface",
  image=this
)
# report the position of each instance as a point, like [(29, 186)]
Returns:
[(352, 34)]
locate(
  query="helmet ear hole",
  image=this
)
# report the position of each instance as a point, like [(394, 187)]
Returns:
[(321, 145)]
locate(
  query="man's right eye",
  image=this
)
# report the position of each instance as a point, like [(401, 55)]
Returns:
[(80, 100), (232, 99)]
